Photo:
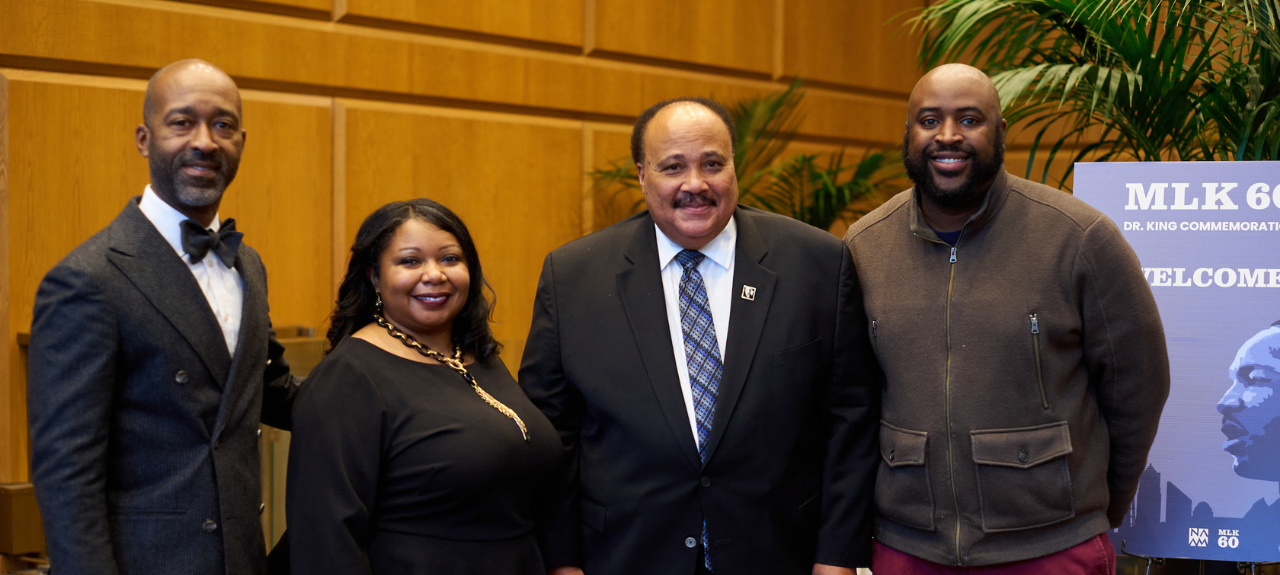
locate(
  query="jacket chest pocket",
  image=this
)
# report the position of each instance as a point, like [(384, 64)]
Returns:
[(799, 364), (903, 493), (1023, 478)]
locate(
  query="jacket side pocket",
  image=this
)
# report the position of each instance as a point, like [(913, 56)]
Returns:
[(1023, 478), (903, 493)]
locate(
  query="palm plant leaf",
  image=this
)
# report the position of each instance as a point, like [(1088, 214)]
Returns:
[(766, 126), (1111, 79), (820, 195)]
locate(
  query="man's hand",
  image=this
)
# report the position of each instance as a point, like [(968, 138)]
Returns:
[(820, 569), (571, 571)]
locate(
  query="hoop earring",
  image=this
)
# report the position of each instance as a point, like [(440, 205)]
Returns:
[(378, 304)]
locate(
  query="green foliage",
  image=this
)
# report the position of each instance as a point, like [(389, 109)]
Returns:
[(621, 178), (766, 126), (797, 186), (1123, 79), (802, 188)]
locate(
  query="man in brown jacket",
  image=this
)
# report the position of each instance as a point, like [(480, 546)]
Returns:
[(1024, 356)]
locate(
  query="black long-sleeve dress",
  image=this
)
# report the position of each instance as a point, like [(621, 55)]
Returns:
[(399, 467)]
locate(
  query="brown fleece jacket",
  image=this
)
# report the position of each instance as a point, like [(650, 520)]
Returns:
[(1025, 369)]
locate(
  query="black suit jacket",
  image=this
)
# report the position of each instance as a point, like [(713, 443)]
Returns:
[(143, 427), (789, 469)]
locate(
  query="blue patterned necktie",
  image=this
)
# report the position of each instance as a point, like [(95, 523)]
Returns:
[(702, 352)]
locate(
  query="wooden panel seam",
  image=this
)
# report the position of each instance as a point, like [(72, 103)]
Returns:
[(588, 183), (108, 82), (779, 37), (588, 26), (847, 89), (668, 65), (12, 431), (102, 74), (448, 112), (267, 7), (339, 207), (495, 113), (646, 64), (458, 33)]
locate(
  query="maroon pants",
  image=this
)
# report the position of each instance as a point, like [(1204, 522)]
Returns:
[(1093, 557)]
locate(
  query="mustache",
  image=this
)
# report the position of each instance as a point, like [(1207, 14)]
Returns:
[(936, 148), (692, 200), (190, 157)]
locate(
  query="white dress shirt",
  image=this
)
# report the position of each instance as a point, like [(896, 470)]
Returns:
[(222, 286), (717, 275)]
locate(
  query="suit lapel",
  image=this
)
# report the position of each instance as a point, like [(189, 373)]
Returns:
[(640, 290), (143, 256), (253, 323), (746, 322)]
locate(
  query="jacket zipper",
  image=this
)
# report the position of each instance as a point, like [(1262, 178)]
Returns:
[(951, 452), (1035, 347)]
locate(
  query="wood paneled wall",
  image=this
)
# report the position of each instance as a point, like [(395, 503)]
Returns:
[(497, 108)]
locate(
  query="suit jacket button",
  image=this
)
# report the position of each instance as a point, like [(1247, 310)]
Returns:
[(261, 507), (181, 377), (209, 526), (705, 482), (690, 542)]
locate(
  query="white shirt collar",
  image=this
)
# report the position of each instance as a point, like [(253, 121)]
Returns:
[(167, 219), (718, 250)]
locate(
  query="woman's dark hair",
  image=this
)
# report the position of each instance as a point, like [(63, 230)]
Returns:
[(356, 296)]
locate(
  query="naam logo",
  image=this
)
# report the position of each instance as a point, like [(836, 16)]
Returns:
[(1198, 537)]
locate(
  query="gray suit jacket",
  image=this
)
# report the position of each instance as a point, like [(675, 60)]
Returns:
[(789, 469), (143, 427)]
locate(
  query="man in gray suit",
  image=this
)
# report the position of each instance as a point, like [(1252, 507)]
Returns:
[(152, 361)]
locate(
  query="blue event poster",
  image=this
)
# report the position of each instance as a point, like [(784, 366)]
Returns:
[(1208, 237)]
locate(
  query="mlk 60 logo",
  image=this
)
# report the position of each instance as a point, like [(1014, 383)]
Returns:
[(1226, 538)]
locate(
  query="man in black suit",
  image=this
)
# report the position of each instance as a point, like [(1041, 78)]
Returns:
[(678, 461), (152, 361)]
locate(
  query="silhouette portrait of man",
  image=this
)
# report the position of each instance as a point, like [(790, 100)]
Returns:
[(1251, 418), (1250, 411)]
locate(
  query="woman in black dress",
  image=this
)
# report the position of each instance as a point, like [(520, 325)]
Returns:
[(413, 450)]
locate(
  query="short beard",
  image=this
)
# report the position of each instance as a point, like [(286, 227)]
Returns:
[(966, 195), (166, 174)]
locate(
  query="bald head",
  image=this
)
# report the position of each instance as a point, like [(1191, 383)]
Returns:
[(957, 80), (187, 72)]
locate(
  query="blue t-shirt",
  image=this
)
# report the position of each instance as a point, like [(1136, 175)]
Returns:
[(949, 237)]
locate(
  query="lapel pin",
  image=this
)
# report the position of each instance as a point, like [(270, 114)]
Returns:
[(748, 293)]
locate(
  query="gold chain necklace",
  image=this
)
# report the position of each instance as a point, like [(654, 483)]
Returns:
[(455, 363)]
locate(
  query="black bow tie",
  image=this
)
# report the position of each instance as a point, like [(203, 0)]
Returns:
[(197, 241)]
